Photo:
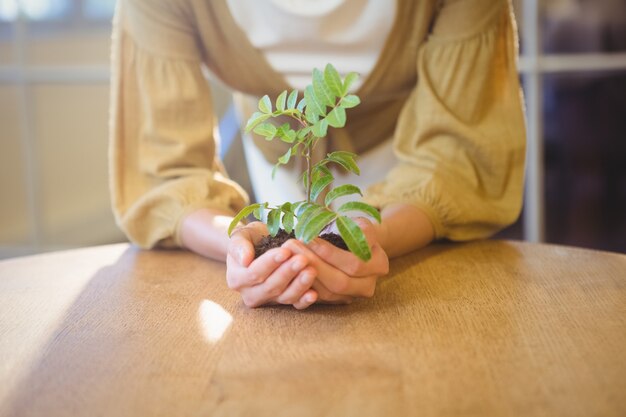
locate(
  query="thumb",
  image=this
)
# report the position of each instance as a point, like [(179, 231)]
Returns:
[(245, 255)]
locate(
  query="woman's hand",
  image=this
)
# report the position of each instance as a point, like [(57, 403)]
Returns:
[(341, 275), (404, 228), (279, 276)]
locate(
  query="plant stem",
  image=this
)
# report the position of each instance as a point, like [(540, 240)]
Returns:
[(309, 170), (293, 116)]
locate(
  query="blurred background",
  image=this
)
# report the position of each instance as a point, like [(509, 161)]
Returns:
[(54, 88)]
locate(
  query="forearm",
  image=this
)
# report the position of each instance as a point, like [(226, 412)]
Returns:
[(404, 229), (205, 232)]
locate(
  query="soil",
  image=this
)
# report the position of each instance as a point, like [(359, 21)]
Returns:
[(269, 242)]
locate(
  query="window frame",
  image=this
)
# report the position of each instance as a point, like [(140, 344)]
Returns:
[(532, 65)]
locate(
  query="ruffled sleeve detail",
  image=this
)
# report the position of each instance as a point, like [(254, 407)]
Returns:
[(460, 138), (163, 161)]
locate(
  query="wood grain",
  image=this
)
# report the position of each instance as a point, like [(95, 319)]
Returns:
[(479, 329)]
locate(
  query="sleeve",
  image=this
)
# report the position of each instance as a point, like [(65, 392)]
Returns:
[(460, 139), (162, 159)]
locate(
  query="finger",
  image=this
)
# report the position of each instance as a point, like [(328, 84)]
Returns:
[(242, 240), (241, 248), (258, 271), (333, 278), (275, 284), (325, 296), (307, 300), (350, 263), (296, 289), (235, 273), (379, 261), (256, 230)]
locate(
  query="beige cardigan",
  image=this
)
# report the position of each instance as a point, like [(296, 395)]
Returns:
[(445, 87)]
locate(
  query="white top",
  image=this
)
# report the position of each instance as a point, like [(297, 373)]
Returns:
[(296, 36)]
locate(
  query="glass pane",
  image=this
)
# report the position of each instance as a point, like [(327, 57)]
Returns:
[(69, 47), (583, 26), (99, 9), (70, 41), (8, 10), (7, 55), (585, 159), (46, 9), (14, 219), (71, 137)]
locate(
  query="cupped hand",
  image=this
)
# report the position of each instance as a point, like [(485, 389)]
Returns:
[(279, 276), (341, 275)]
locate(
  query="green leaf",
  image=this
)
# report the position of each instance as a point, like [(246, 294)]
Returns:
[(350, 101), (265, 104), (315, 223), (258, 212), (313, 105), (301, 104), (346, 160), (288, 222), (285, 207), (319, 185), (294, 149), (346, 189), (306, 210), (320, 129), (333, 80), (273, 221), (286, 133), (242, 214), (303, 132), (289, 137), (322, 92), (266, 129), (291, 100), (255, 119), (312, 117), (360, 206), (348, 81), (285, 158), (305, 179), (280, 101), (310, 211), (354, 237), (280, 131), (299, 207), (337, 117), (320, 169)]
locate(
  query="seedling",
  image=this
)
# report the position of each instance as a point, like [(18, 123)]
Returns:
[(324, 105)]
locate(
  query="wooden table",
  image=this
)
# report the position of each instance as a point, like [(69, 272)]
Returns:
[(487, 328)]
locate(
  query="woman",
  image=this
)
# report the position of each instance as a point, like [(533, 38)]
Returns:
[(440, 89)]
